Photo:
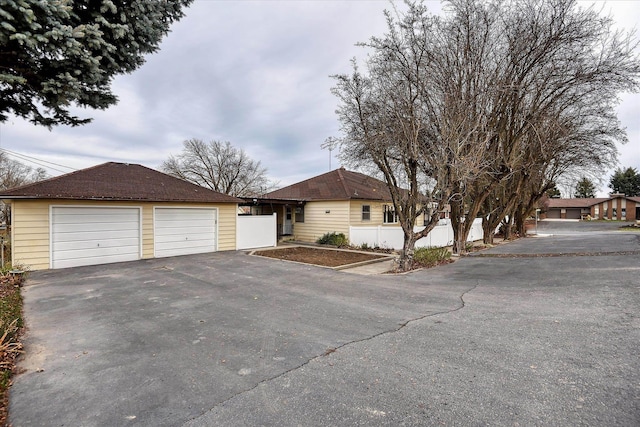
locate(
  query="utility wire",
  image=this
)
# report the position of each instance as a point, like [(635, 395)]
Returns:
[(39, 162)]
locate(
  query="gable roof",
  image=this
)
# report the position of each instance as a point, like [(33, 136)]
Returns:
[(118, 181), (339, 184)]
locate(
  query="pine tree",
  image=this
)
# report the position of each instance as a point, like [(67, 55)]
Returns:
[(585, 189), (626, 181), (58, 54)]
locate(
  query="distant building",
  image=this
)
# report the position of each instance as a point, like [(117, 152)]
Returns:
[(615, 207)]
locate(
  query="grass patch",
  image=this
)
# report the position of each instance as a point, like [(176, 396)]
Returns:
[(430, 257)]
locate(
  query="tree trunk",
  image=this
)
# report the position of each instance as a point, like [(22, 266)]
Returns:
[(520, 222), (456, 224), (488, 231), (408, 248)]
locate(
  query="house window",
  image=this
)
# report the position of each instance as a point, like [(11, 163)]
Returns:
[(389, 215), (300, 214), (614, 213), (623, 212), (366, 212)]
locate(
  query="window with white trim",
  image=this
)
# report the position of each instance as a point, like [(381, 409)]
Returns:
[(366, 212)]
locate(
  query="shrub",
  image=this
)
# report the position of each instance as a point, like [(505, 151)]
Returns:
[(335, 239), (431, 256)]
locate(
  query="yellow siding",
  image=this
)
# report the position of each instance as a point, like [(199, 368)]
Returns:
[(356, 213), (318, 222), (30, 227), (377, 210), (227, 215), (147, 231), (30, 234)]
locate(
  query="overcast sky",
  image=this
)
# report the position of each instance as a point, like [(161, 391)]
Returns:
[(255, 73)]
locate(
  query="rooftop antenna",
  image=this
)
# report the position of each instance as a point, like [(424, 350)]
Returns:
[(330, 143)]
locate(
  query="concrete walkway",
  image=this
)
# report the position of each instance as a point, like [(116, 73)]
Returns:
[(378, 267)]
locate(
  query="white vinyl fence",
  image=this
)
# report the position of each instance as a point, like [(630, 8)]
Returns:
[(393, 237), (256, 231)]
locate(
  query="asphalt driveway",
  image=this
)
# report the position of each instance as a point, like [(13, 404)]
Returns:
[(230, 339)]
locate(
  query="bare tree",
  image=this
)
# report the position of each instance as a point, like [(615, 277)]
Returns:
[(15, 174), (221, 167), (399, 116), (558, 71), (493, 99)]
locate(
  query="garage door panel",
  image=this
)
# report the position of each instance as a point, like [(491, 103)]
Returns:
[(186, 243), (180, 231), (105, 243), (68, 216), (178, 238), (182, 249), (187, 221), (186, 212), (187, 230), (573, 213), (112, 224), (100, 252), (94, 235), (83, 232), (186, 224), (553, 213), (92, 260)]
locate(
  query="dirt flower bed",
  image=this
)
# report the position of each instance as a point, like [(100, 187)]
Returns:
[(317, 256)]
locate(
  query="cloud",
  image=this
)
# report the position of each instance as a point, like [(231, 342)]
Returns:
[(254, 73)]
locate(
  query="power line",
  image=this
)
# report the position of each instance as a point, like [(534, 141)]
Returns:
[(39, 162)]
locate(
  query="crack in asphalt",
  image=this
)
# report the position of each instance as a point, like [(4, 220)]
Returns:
[(334, 349)]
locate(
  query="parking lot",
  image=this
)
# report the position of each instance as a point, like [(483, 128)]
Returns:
[(231, 339)]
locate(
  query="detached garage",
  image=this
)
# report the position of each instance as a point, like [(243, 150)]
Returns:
[(116, 212)]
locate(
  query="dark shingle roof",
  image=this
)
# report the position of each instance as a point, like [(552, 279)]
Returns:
[(118, 181), (575, 203), (586, 202), (339, 184)]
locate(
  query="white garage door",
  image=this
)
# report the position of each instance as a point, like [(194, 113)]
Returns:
[(94, 235), (183, 231)]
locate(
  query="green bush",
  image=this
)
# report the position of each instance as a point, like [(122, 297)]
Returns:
[(335, 239), (431, 256)]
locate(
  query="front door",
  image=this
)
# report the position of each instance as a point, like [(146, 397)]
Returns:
[(287, 228)]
